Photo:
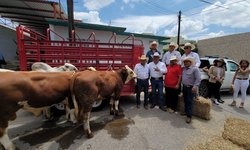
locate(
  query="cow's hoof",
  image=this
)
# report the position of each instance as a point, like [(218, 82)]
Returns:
[(89, 134), (112, 112), (116, 113)]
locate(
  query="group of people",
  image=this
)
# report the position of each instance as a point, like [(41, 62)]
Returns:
[(240, 81), (178, 70), (183, 71)]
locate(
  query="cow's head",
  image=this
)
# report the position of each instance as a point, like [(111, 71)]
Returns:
[(131, 74), (69, 67)]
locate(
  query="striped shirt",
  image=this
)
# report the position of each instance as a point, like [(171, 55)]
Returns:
[(191, 76)]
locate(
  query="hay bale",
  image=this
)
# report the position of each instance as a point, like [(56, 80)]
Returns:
[(201, 109), (238, 132), (217, 143)]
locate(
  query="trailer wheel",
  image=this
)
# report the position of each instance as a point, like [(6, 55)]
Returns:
[(203, 89)]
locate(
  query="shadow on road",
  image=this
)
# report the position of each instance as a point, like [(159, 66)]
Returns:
[(129, 105)]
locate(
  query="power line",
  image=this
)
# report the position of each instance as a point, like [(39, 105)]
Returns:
[(213, 4), (158, 6), (155, 10), (154, 6), (165, 27), (216, 8)]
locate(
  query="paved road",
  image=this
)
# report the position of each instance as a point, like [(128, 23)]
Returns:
[(137, 129)]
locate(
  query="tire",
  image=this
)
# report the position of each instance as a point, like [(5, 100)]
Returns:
[(97, 106), (203, 89)]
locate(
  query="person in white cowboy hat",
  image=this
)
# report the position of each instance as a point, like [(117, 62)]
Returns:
[(142, 71), (171, 52), (152, 49), (191, 79), (156, 70), (172, 83), (216, 76), (188, 47)]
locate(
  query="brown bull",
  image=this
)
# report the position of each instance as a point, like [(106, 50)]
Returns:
[(29, 89), (90, 86)]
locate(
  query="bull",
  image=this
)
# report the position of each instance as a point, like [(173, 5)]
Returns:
[(40, 66), (43, 67), (29, 90), (89, 86)]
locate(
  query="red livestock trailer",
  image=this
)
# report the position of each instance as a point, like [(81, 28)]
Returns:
[(36, 47)]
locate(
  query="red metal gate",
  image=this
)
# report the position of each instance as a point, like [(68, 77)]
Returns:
[(35, 47)]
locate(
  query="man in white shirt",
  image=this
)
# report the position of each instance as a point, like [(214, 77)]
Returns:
[(171, 52), (156, 70), (142, 72), (188, 47)]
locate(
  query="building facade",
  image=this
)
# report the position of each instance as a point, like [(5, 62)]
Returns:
[(235, 46)]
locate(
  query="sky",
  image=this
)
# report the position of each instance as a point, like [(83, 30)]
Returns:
[(200, 19)]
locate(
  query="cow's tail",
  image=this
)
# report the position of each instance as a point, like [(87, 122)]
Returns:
[(72, 82)]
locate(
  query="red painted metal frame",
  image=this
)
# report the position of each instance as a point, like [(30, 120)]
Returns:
[(34, 47)]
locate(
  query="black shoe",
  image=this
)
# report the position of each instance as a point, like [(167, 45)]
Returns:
[(220, 101), (188, 120), (152, 106), (163, 108), (183, 113), (146, 106), (138, 106)]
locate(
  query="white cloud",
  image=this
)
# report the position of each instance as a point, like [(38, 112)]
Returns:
[(132, 1), (97, 4), (189, 27), (236, 16), (192, 27), (198, 26), (145, 24), (90, 17), (209, 35)]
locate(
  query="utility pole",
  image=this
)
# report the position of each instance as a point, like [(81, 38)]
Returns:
[(179, 27), (70, 8)]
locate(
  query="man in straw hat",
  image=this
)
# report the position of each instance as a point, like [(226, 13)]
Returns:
[(157, 69), (142, 71), (191, 79), (171, 52), (188, 47), (153, 48), (172, 83)]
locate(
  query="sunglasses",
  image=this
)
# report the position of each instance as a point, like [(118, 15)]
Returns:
[(187, 47)]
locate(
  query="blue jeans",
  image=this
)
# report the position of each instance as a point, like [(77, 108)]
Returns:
[(157, 85), (188, 100), (142, 84)]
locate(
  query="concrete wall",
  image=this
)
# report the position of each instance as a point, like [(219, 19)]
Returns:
[(7, 45), (102, 36), (235, 46)]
